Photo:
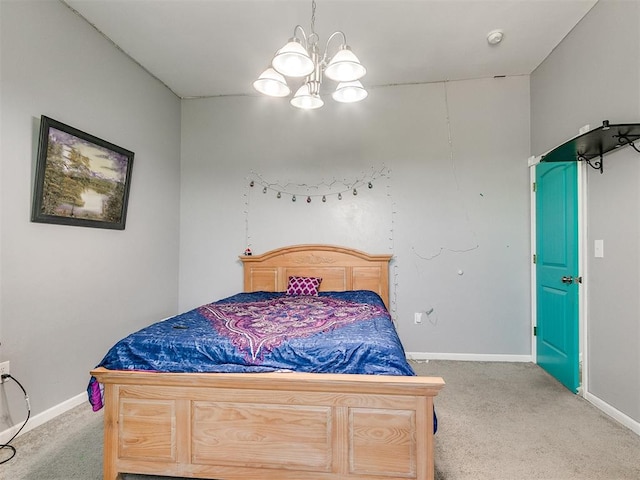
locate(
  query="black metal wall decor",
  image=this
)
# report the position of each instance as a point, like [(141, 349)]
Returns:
[(591, 147)]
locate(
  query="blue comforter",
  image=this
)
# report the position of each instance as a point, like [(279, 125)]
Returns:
[(336, 332)]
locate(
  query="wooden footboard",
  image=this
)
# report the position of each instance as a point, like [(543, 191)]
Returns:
[(268, 426)]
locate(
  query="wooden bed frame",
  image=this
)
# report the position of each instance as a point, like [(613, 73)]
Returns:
[(275, 426)]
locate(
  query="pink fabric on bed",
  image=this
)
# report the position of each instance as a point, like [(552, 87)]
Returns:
[(303, 286), (265, 325)]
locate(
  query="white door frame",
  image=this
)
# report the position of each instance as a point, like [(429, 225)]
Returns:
[(582, 268)]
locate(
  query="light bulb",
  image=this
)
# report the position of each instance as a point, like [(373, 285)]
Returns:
[(293, 60), (349, 92), (271, 83), (305, 99), (345, 66)]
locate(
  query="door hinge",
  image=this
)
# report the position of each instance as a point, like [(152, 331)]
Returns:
[(535, 258), (534, 187), (535, 331)]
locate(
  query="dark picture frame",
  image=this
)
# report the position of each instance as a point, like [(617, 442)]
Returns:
[(80, 179)]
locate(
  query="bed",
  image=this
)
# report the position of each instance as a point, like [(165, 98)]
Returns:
[(280, 424)]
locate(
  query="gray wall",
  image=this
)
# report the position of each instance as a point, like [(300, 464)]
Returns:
[(439, 210), (593, 75), (68, 293), (441, 207)]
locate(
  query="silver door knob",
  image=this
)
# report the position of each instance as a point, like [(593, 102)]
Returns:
[(567, 279)]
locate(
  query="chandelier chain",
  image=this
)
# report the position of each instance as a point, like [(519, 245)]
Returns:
[(313, 17)]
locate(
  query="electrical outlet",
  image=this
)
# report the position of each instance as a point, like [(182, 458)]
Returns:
[(417, 318), (4, 369)]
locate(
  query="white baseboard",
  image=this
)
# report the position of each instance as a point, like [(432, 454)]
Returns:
[(44, 417), (614, 413), (469, 357)]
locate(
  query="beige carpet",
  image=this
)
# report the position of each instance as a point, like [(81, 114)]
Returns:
[(498, 421), (513, 421)]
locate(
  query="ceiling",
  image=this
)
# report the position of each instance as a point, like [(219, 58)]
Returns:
[(202, 48)]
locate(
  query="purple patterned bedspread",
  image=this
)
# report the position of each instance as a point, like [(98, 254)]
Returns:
[(336, 332), (259, 327)]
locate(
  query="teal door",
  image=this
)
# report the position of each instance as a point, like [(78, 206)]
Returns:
[(557, 345)]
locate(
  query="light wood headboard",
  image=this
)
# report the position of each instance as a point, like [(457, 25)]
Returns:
[(341, 269)]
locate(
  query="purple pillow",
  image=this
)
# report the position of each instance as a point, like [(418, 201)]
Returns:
[(303, 286)]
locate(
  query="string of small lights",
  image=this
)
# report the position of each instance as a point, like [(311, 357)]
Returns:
[(393, 300), (323, 190)]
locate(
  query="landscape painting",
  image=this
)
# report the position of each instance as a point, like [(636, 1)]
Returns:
[(80, 179)]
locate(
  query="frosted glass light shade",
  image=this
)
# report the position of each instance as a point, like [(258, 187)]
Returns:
[(345, 66), (349, 92), (305, 99), (272, 83), (293, 60)]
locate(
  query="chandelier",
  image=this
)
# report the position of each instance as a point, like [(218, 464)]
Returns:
[(300, 57)]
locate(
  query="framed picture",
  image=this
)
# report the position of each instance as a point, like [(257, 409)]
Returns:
[(80, 179)]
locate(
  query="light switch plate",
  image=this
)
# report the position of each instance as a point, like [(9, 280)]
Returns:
[(598, 248)]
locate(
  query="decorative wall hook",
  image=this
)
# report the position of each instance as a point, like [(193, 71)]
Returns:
[(625, 140), (595, 165)]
